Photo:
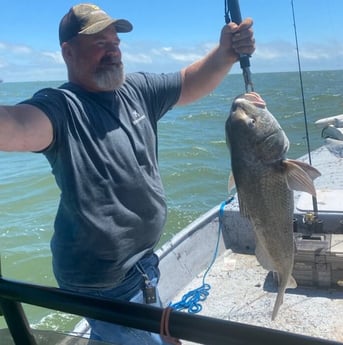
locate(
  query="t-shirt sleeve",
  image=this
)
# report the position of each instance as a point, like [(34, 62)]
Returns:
[(52, 103), (160, 91)]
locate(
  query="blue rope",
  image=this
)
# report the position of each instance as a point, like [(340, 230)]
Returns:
[(191, 300)]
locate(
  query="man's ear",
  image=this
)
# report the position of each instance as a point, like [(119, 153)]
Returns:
[(67, 51)]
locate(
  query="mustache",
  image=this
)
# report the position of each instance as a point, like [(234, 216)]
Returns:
[(111, 60)]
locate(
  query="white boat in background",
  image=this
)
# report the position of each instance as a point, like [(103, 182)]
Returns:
[(238, 308)]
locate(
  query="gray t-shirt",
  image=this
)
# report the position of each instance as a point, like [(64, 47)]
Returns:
[(104, 158)]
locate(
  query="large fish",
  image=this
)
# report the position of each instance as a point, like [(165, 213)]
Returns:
[(265, 181)]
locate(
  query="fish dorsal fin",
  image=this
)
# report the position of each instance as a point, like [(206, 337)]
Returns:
[(300, 176)]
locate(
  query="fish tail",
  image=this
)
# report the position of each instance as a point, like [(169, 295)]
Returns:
[(278, 302), (291, 283)]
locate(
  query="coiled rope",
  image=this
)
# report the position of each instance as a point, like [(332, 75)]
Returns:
[(191, 300)]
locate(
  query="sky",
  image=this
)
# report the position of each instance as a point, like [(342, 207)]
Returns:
[(169, 35)]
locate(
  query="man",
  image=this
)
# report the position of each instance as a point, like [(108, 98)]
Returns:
[(98, 132)]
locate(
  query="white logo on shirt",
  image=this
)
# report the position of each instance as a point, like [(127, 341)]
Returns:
[(137, 117)]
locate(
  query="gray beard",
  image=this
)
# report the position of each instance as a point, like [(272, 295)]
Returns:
[(111, 79)]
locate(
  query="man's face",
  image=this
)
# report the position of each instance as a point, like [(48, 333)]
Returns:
[(94, 61)]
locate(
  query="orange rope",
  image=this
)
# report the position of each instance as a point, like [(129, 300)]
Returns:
[(164, 328)]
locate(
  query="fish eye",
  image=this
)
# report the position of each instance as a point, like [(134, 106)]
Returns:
[(252, 123)]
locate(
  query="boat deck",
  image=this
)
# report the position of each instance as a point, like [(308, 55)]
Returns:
[(242, 291), (330, 167)]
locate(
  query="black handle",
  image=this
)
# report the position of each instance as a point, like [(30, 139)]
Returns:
[(235, 11)]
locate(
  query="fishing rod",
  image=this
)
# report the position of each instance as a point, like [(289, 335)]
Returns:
[(314, 199), (233, 14), (195, 328)]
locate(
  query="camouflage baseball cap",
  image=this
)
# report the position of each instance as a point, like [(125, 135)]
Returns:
[(88, 19)]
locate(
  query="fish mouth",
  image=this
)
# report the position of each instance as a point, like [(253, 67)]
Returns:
[(246, 101), (255, 99)]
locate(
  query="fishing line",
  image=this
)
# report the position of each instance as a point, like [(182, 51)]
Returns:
[(191, 300), (314, 199), (301, 85)]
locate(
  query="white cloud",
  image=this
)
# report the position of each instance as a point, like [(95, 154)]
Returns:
[(9, 48), (282, 56), (138, 58), (23, 63), (20, 50), (328, 51), (154, 58), (273, 50), (54, 56)]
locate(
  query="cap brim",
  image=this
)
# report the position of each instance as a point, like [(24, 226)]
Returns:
[(121, 25)]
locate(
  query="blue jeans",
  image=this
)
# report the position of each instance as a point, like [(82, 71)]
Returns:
[(129, 290)]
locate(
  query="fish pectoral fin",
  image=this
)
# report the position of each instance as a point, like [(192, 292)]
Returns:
[(231, 185), (244, 211), (309, 169), (300, 176), (243, 208)]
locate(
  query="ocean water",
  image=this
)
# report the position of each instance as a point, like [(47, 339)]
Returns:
[(194, 161)]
